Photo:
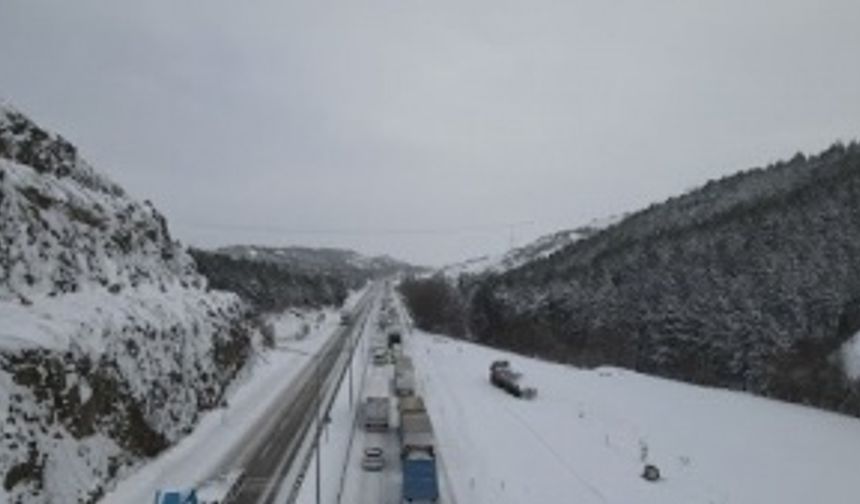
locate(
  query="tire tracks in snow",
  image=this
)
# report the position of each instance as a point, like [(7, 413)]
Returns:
[(462, 423), (543, 442)]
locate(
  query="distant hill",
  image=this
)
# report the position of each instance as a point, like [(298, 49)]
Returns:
[(750, 282), (273, 278), (436, 300), (540, 248), (328, 261), (273, 286)]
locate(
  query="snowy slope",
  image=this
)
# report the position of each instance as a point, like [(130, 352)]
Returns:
[(110, 342), (540, 248), (586, 435)]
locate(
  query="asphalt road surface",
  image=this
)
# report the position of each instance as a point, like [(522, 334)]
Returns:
[(286, 428)]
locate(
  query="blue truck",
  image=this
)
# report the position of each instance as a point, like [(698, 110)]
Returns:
[(176, 497), (420, 483), (218, 490)]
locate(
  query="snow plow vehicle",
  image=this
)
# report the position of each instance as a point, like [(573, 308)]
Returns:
[(504, 377)]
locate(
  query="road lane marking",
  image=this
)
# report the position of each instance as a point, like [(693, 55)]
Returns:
[(266, 449)]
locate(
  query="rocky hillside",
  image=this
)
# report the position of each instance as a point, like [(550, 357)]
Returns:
[(111, 343), (750, 282)]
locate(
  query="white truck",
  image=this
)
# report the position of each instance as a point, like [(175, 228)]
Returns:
[(404, 377), (404, 382), (416, 433), (377, 413)]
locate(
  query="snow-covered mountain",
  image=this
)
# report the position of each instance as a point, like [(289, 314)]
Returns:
[(111, 344), (540, 248)]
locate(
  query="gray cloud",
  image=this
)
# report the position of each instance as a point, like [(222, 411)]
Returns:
[(424, 128)]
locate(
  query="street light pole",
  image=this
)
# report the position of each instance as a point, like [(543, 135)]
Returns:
[(319, 434), (351, 355), (320, 394)]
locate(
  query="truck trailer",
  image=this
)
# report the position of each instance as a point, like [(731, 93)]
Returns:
[(176, 497), (416, 434), (411, 404), (420, 481), (404, 382), (376, 413)]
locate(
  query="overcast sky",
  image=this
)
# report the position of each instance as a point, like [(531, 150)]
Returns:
[(430, 130)]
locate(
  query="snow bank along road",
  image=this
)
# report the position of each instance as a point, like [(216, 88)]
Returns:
[(271, 447)]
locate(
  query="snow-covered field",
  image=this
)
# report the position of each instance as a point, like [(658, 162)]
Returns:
[(586, 435), (203, 453)]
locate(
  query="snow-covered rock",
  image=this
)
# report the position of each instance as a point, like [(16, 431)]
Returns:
[(110, 342)]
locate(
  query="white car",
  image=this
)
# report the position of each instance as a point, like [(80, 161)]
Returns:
[(374, 459)]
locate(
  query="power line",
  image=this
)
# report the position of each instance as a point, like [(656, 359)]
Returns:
[(359, 231)]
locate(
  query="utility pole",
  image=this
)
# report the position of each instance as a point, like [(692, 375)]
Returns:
[(319, 432), (512, 230), (351, 353)]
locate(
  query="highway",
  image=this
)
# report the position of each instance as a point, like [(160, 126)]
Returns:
[(275, 444), (381, 487)]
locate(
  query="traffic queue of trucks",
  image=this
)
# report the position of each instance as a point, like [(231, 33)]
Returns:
[(417, 442), (415, 430)]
